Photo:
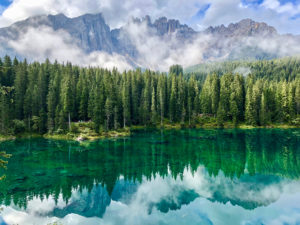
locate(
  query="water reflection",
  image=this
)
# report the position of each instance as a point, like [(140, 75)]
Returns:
[(174, 177)]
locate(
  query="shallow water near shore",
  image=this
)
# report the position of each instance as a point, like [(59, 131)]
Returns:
[(190, 176)]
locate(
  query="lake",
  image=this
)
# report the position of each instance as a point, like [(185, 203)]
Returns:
[(155, 177)]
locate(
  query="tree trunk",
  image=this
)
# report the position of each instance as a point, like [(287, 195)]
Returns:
[(29, 123), (69, 122), (124, 121)]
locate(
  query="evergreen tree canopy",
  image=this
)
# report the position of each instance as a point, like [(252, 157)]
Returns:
[(46, 97)]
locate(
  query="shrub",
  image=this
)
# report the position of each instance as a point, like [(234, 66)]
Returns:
[(18, 126), (36, 123), (59, 131), (74, 128), (296, 122)]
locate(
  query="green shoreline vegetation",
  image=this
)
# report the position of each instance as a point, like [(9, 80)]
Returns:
[(54, 100), (90, 135)]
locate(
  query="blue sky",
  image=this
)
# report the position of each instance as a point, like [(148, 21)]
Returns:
[(5, 3), (284, 15)]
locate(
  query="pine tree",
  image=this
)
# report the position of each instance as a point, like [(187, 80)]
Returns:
[(153, 107), (82, 95), (173, 100), (108, 112), (126, 102), (215, 93), (221, 115), (162, 98), (53, 100), (263, 111), (284, 102), (205, 96), (8, 76), (146, 100), (68, 95), (176, 70), (20, 85), (297, 96), (6, 99)]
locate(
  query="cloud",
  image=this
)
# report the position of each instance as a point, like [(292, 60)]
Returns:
[(115, 13), (281, 45), (37, 44), (269, 11), (245, 71), (159, 53), (287, 7)]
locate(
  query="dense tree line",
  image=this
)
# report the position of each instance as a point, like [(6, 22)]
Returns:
[(277, 69), (47, 97)]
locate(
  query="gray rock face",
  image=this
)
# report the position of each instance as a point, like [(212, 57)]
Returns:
[(91, 31), (167, 27), (246, 27)]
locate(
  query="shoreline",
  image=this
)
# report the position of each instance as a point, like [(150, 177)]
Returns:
[(81, 136)]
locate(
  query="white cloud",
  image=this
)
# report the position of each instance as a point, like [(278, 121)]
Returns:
[(116, 14), (270, 11), (159, 53), (288, 7), (245, 71)]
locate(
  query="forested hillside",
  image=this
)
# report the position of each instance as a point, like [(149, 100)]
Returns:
[(277, 69), (46, 97)]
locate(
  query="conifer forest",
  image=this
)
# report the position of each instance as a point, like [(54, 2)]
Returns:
[(47, 97)]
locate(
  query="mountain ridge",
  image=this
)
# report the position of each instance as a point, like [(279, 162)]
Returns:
[(91, 33)]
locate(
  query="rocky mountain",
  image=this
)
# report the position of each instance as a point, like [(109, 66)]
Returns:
[(139, 37), (244, 28), (90, 31), (163, 26)]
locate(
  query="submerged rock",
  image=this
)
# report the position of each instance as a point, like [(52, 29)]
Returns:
[(81, 138)]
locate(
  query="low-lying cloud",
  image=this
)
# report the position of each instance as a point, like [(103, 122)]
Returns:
[(245, 71), (37, 44), (160, 52)]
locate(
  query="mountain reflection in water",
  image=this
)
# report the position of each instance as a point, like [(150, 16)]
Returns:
[(166, 177)]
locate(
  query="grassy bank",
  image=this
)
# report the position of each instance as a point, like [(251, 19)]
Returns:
[(83, 131), (7, 137), (79, 132), (89, 136)]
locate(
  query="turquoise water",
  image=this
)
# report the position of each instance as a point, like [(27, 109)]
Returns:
[(155, 177)]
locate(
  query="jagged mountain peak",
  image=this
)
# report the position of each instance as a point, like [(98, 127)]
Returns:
[(245, 27), (164, 26)]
